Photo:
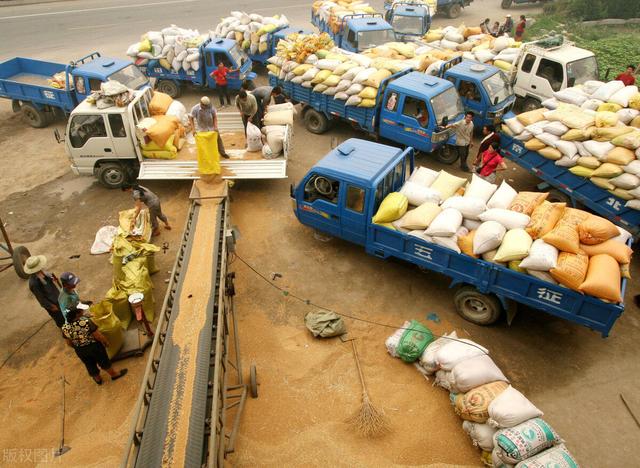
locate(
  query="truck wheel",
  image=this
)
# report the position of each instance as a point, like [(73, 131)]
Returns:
[(475, 307), (530, 104), (112, 175), (445, 155), (253, 381), (557, 196), (454, 11), (20, 255), (168, 87), (506, 4), (316, 122), (34, 116)]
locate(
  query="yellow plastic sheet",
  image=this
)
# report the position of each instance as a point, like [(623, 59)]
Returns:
[(109, 325), (208, 155)]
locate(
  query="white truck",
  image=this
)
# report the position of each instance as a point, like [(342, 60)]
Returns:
[(549, 65), (103, 143)]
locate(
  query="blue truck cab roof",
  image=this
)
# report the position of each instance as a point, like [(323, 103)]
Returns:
[(100, 67), (368, 24), (470, 68), (218, 44), (418, 85), (359, 161), (283, 33)]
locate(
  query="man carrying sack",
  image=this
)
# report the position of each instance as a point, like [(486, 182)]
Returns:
[(204, 118)]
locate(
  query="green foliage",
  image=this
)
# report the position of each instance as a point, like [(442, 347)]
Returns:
[(595, 9)]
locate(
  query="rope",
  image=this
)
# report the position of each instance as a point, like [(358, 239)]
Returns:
[(23, 343)]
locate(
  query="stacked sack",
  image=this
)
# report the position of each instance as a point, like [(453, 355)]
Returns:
[(173, 48), (593, 130), (332, 13), (276, 120), (500, 420), (250, 31), (161, 136), (521, 231)]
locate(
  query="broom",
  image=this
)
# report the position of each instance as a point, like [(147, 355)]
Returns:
[(368, 420)]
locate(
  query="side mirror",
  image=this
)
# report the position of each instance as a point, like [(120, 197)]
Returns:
[(495, 101), (56, 134), (445, 121)]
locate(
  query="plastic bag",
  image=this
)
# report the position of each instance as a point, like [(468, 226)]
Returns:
[(208, 155), (104, 240), (414, 341)]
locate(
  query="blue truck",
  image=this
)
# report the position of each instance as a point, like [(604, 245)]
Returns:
[(569, 188), (212, 52), (342, 192), (411, 108), (409, 20), (357, 32), (450, 8), (27, 83)]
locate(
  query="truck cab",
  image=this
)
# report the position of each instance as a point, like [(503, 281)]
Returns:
[(361, 32), (409, 20), (484, 89), (549, 65)]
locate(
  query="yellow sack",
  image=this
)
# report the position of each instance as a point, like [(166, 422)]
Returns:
[(375, 79), (622, 193), (534, 144), (331, 81), (472, 31), (274, 69), (433, 35), (595, 230), (302, 69), (609, 133), (581, 171), (466, 244), (152, 146), (609, 107), (515, 266), (160, 154), (619, 155), (571, 269), (531, 117), (564, 236), (145, 46), (367, 103), (515, 246), (544, 218), (635, 122), (420, 217), (590, 162), (501, 64), (550, 153), (621, 252), (160, 103), (629, 140), (447, 184), (526, 202), (164, 63), (109, 325), (164, 128), (387, 225), (321, 76), (208, 155), (344, 68), (576, 134), (607, 170), (625, 272), (239, 36), (606, 118), (262, 47), (368, 93), (474, 405), (602, 182), (393, 207), (603, 278), (634, 101)]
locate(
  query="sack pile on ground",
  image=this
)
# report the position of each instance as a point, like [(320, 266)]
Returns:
[(472, 44), (500, 420), (594, 131), (520, 231), (332, 12), (250, 31), (161, 136), (173, 49)]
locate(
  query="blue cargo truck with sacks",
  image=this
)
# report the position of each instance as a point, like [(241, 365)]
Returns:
[(40, 89), (356, 32), (355, 191)]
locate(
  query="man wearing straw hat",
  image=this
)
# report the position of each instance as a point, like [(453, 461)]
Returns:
[(45, 287)]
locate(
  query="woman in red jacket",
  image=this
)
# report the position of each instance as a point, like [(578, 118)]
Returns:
[(491, 163)]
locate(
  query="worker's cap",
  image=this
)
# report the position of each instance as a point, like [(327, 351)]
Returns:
[(69, 279), (205, 101), (34, 264), (508, 16)]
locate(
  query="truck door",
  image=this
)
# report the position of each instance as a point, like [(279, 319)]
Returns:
[(523, 76), (471, 97), (549, 77), (122, 142), (348, 39), (353, 208), (318, 205), (406, 120), (88, 140)]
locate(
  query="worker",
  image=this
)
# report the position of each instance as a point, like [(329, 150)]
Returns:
[(144, 196), (248, 107), (495, 30), (83, 336), (507, 27), (222, 86), (278, 96), (491, 162), (422, 114), (520, 27), (263, 99), (45, 287), (627, 76), (68, 297), (484, 26), (489, 136), (204, 118), (463, 130)]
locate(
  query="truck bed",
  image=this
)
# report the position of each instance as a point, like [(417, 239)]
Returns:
[(490, 278), (579, 189)]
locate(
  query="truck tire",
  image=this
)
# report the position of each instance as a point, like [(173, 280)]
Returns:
[(19, 257), (445, 155), (557, 196), (253, 381), (506, 4), (34, 116), (454, 11), (168, 87), (112, 175), (530, 104), (316, 122), (475, 307)]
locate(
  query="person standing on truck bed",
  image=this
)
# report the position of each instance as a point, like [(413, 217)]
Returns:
[(627, 76), (248, 107), (142, 195), (463, 130), (520, 27), (45, 287), (222, 86), (204, 118)]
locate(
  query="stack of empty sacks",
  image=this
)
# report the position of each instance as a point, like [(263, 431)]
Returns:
[(250, 31), (593, 130), (332, 13), (500, 420), (276, 120), (520, 231), (173, 48), (472, 44), (161, 136)]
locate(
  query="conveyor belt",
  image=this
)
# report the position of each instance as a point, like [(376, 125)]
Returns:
[(184, 388)]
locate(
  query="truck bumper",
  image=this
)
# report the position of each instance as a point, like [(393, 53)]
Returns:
[(75, 169)]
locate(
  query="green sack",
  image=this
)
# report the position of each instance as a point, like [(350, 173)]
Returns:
[(325, 324), (414, 341)]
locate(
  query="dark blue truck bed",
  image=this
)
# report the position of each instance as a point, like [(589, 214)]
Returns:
[(579, 189)]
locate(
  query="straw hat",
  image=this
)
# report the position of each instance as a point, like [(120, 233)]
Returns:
[(34, 264)]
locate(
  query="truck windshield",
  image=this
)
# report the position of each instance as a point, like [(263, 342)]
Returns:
[(408, 25), (447, 104), (582, 70), (238, 55), (131, 77), (497, 87), (370, 39)]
